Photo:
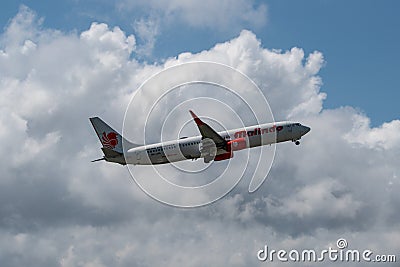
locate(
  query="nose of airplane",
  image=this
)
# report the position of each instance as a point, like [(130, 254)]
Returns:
[(305, 130)]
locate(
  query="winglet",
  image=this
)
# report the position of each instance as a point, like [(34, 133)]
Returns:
[(196, 119)]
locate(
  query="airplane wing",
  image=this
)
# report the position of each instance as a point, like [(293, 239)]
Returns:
[(208, 132)]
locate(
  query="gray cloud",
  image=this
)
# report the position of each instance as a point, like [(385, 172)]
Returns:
[(57, 208)]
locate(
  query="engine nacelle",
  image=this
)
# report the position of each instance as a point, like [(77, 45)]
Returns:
[(237, 144), (208, 150)]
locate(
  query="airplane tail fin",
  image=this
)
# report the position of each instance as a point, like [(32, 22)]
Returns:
[(109, 138)]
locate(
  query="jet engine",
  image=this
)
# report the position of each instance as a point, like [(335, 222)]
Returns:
[(208, 150)]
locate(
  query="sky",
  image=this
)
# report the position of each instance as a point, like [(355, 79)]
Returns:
[(330, 64)]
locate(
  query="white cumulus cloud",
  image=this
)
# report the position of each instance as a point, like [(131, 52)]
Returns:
[(57, 208)]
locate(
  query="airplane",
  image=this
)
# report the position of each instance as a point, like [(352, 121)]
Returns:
[(209, 145)]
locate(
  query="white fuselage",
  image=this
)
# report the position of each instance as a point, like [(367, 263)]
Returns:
[(189, 148)]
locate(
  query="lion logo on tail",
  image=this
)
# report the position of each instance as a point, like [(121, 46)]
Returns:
[(109, 140)]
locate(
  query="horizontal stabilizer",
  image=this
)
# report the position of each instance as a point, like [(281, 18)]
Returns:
[(103, 158)]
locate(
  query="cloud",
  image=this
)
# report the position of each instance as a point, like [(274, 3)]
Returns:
[(383, 137), (220, 15), (147, 30), (292, 87), (57, 208)]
